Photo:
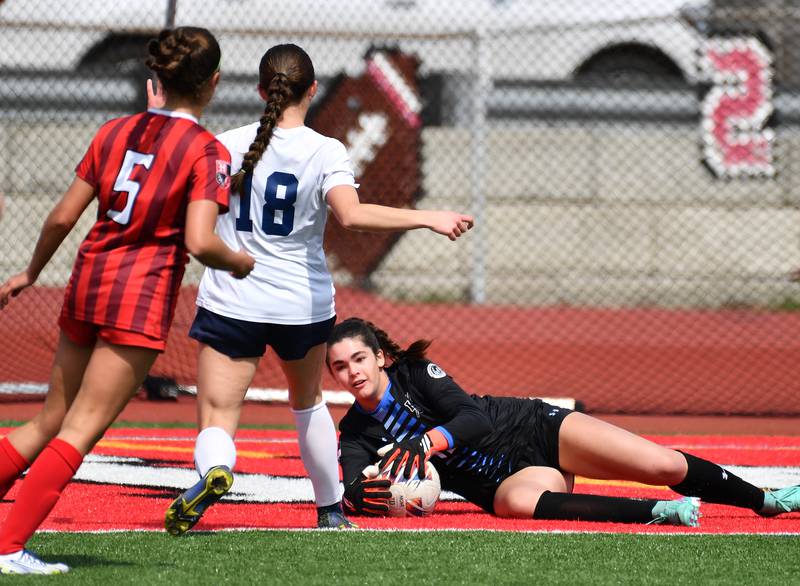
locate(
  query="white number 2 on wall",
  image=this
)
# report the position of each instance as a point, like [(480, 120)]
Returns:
[(736, 109)]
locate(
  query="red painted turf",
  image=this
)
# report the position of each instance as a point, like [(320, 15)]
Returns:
[(105, 507)]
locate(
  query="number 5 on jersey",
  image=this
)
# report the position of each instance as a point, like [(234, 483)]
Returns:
[(280, 196), (128, 185)]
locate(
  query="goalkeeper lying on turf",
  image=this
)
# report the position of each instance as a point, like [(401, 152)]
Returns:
[(512, 457)]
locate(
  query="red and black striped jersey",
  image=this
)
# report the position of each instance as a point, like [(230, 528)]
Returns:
[(145, 168)]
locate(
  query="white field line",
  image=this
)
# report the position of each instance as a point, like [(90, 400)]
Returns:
[(267, 488), (266, 395)]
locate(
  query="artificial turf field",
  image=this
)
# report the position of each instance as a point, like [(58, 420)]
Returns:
[(107, 526), (436, 557)]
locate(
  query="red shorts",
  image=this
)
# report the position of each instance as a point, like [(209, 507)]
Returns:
[(84, 333)]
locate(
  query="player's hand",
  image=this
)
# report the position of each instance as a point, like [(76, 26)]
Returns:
[(368, 496), (450, 224), (244, 264), (14, 287), (155, 96), (406, 456)]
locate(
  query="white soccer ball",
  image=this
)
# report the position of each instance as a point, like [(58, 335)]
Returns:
[(415, 497)]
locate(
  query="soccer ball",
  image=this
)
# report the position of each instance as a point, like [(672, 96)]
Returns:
[(415, 497)]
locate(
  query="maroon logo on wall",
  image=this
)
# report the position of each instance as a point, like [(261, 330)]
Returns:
[(377, 117)]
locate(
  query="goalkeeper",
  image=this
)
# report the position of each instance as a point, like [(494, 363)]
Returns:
[(512, 457)]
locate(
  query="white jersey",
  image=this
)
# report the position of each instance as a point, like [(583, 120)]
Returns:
[(280, 223)]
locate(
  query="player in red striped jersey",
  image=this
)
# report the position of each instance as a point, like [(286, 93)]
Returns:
[(128, 267), (160, 180)]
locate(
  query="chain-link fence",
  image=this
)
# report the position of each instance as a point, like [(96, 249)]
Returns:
[(631, 165)]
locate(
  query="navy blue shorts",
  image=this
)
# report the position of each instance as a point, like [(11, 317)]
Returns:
[(246, 339)]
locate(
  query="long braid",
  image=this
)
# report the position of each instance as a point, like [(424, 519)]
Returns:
[(285, 74), (279, 95)]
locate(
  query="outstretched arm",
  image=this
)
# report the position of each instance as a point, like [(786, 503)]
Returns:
[(58, 224), (354, 215)]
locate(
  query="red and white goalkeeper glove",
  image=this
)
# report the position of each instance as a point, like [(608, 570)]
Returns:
[(412, 454)]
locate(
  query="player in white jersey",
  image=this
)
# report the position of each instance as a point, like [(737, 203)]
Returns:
[(281, 221), (285, 176)]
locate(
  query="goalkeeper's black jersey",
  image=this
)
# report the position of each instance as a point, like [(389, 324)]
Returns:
[(490, 437)]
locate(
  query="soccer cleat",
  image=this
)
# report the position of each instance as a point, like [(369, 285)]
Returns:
[(25, 562), (186, 510), (783, 500), (685, 511), (332, 517)]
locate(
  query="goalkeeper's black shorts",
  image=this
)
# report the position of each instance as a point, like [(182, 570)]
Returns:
[(534, 443)]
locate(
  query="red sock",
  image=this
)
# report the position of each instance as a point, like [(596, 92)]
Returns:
[(40, 491), (12, 465)]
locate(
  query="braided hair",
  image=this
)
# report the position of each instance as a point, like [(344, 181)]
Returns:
[(285, 74), (377, 339), (184, 59)]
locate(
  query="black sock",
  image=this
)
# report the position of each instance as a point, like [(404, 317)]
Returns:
[(591, 507), (334, 508), (714, 484)]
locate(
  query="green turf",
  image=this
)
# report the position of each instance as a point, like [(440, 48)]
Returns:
[(407, 558)]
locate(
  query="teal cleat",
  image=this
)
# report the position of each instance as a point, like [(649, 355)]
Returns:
[(332, 517), (186, 510), (685, 511), (783, 500)]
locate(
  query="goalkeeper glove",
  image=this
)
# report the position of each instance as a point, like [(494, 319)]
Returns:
[(412, 453), (368, 496)]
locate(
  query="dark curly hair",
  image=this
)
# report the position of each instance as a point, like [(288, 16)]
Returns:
[(184, 58)]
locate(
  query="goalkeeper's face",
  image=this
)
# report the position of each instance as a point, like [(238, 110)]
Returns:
[(359, 370)]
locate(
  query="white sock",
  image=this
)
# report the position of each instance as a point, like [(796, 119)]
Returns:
[(316, 435), (213, 447)]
